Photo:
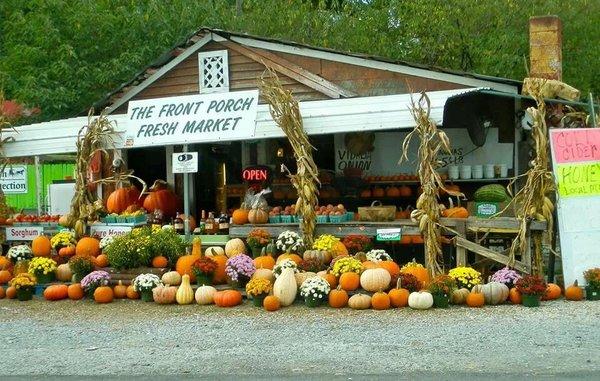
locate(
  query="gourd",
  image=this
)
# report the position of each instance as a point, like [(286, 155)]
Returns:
[(160, 197), (75, 291), (240, 216), (64, 273), (164, 294), (459, 296), (359, 302), (264, 262), (264, 274), (399, 296), (234, 247), (205, 295), (493, 292), (553, 292), (285, 287), (515, 296), (338, 298), (228, 298), (103, 294), (172, 277), (301, 277), (323, 256), (420, 300), (121, 198), (271, 303), (475, 299), (185, 294), (160, 262), (491, 193), (88, 246), (258, 216), (56, 292), (574, 292), (120, 291), (40, 246), (349, 281), (380, 301), (213, 251), (391, 267), (375, 279)]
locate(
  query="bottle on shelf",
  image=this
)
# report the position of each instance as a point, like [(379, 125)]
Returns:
[(210, 225), (202, 223), (224, 224), (178, 224)]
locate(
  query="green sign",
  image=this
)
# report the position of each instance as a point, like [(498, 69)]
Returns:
[(392, 234)]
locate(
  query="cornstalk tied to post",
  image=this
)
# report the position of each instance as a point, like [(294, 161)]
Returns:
[(286, 113), (428, 210)]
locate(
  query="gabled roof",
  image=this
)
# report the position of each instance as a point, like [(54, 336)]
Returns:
[(196, 40)]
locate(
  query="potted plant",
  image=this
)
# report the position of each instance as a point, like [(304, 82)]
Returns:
[(465, 277), (93, 280), (289, 242), (24, 283), (356, 243), (407, 281), (43, 269), (258, 289), (204, 269), (256, 240), (592, 278), (62, 239), (441, 288), (531, 287), (20, 256), (285, 264), (144, 284), (378, 255), (106, 241), (80, 266), (506, 276), (239, 269), (314, 291)]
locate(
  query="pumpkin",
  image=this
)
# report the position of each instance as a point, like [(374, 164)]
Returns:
[(56, 292), (11, 292), (329, 277), (120, 291), (205, 295), (285, 287), (264, 274), (455, 212), (574, 292), (103, 294), (392, 192), (67, 251), (380, 301), (301, 277), (101, 261), (459, 296), (338, 249), (185, 294), (359, 302), (391, 267), (420, 300), (369, 265), (75, 291), (417, 270), (375, 279), (294, 257), (323, 256), (264, 262), (40, 246), (515, 296), (184, 265), (219, 276), (235, 247), (366, 193), (63, 273), (5, 276), (2, 293), (132, 293), (399, 296), (64, 220), (475, 299), (88, 246), (5, 263), (239, 217), (405, 191), (162, 198), (258, 216), (349, 281), (553, 292), (121, 198), (417, 239), (164, 294), (213, 251), (378, 192), (271, 303), (338, 298), (172, 277), (160, 262), (493, 292), (228, 298)]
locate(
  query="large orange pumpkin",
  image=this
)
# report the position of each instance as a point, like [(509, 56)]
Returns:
[(103, 294), (75, 292), (419, 272), (240, 216), (121, 198), (391, 266), (228, 298), (574, 292), (264, 262), (184, 265), (88, 246), (219, 276), (40, 246), (160, 197), (56, 292), (552, 292)]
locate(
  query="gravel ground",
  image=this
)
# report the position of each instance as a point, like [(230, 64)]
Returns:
[(134, 338)]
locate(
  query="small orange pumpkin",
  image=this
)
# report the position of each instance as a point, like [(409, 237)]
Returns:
[(5, 276), (455, 212), (553, 292), (11, 292), (338, 298), (391, 266), (331, 279), (294, 257), (264, 262), (369, 265), (56, 292), (75, 291), (271, 303), (574, 292), (399, 296), (120, 291), (40, 246), (380, 301), (103, 294), (132, 293), (219, 276), (67, 251), (240, 216), (475, 299), (101, 261), (160, 262), (228, 298), (515, 296), (349, 281)]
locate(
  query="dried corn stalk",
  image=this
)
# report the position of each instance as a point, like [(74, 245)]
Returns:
[(286, 113), (5, 124), (427, 213), (93, 138)]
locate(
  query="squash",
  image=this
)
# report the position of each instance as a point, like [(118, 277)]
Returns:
[(399, 296), (103, 294), (88, 246), (213, 251), (285, 287), (64, 273), (459, 296), (219, 276), (420, 300), (338, 298), (493, 292), (56, 292), (40, 246), (375, 279), (553, 292), (240, 217), (205, 295), (264, 274), (164, 294), (120, 291), (235, 247), (184, 265), (228, 298), (121, 198), (264, 262), (323, 256), (172, 278), (162, 198), (475, 299), (359, 302), (258, 216), (185, 294), (574, 292), (301, 277)]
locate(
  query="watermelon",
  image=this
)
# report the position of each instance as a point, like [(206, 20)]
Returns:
[(491, 193)]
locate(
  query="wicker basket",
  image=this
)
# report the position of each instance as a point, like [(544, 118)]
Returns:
[(377, 212)]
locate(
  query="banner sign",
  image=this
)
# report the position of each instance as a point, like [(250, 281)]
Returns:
[(13, 179), (192, 119), (102, 231), (393, 234), (23, 233)]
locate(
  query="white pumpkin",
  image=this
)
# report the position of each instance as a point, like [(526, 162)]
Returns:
[(301, 277), (359, 302), (493, 292), (172, 278), (374, 280), (213, 251), (459, 296), (264, 274), (63, 273), (285, 287), (205, 295), (234, 247), (421, 300)]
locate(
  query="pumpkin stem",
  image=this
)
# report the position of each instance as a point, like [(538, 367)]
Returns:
[(399, 283), (575, 284)]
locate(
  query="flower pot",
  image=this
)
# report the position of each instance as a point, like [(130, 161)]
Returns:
[(258, 300), (25, 293), (240, 282), (45, 278), (203, 279), (531, 300), (313, 302), (146, 296), (440, 300), (592, 293)]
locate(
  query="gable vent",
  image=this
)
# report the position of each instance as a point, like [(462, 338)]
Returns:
[(214, 71)]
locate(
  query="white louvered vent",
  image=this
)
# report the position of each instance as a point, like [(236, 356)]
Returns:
[(214, 71)]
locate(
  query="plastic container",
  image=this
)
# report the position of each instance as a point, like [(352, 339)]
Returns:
[(349, 216), (121, 220), (286, 219), (488, 171), (322, 219), (336, 219), (453, 172), (274, 219), (478, 171), (465, 172), (110, 219)]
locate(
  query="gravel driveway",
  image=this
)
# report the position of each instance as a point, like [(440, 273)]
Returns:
[(135, 338)]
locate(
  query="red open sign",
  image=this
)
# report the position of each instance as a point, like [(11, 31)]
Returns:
[(255, 174)]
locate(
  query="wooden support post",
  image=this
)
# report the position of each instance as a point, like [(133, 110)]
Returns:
[(485, 252), (461, 252)]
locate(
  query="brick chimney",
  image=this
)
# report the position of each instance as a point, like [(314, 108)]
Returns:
[(545, 47)]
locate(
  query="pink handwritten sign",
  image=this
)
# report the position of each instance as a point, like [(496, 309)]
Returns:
[(576, 145)]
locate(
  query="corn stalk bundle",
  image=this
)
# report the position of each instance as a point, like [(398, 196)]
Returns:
[(428, 210), (95, 137), (286, 113), (5, 124)]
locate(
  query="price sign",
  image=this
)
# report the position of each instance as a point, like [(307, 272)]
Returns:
[(392, 234), (102, 231), (23, 233)]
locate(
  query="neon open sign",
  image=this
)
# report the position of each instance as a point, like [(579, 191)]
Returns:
[(255, 174)]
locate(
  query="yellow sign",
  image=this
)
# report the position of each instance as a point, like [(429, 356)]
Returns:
[(578, 179)]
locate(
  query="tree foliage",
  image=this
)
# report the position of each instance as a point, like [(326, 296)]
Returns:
[(64, 55)]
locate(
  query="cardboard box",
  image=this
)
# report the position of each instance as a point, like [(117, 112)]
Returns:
[(488, 209)]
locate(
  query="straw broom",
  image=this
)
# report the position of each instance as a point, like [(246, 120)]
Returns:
[(286, 113)]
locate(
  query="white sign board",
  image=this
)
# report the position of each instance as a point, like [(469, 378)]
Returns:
[(191, 119), (13, 179), (576, 165), (59, 198), (185, 162), (102, 231), (23, 233)]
